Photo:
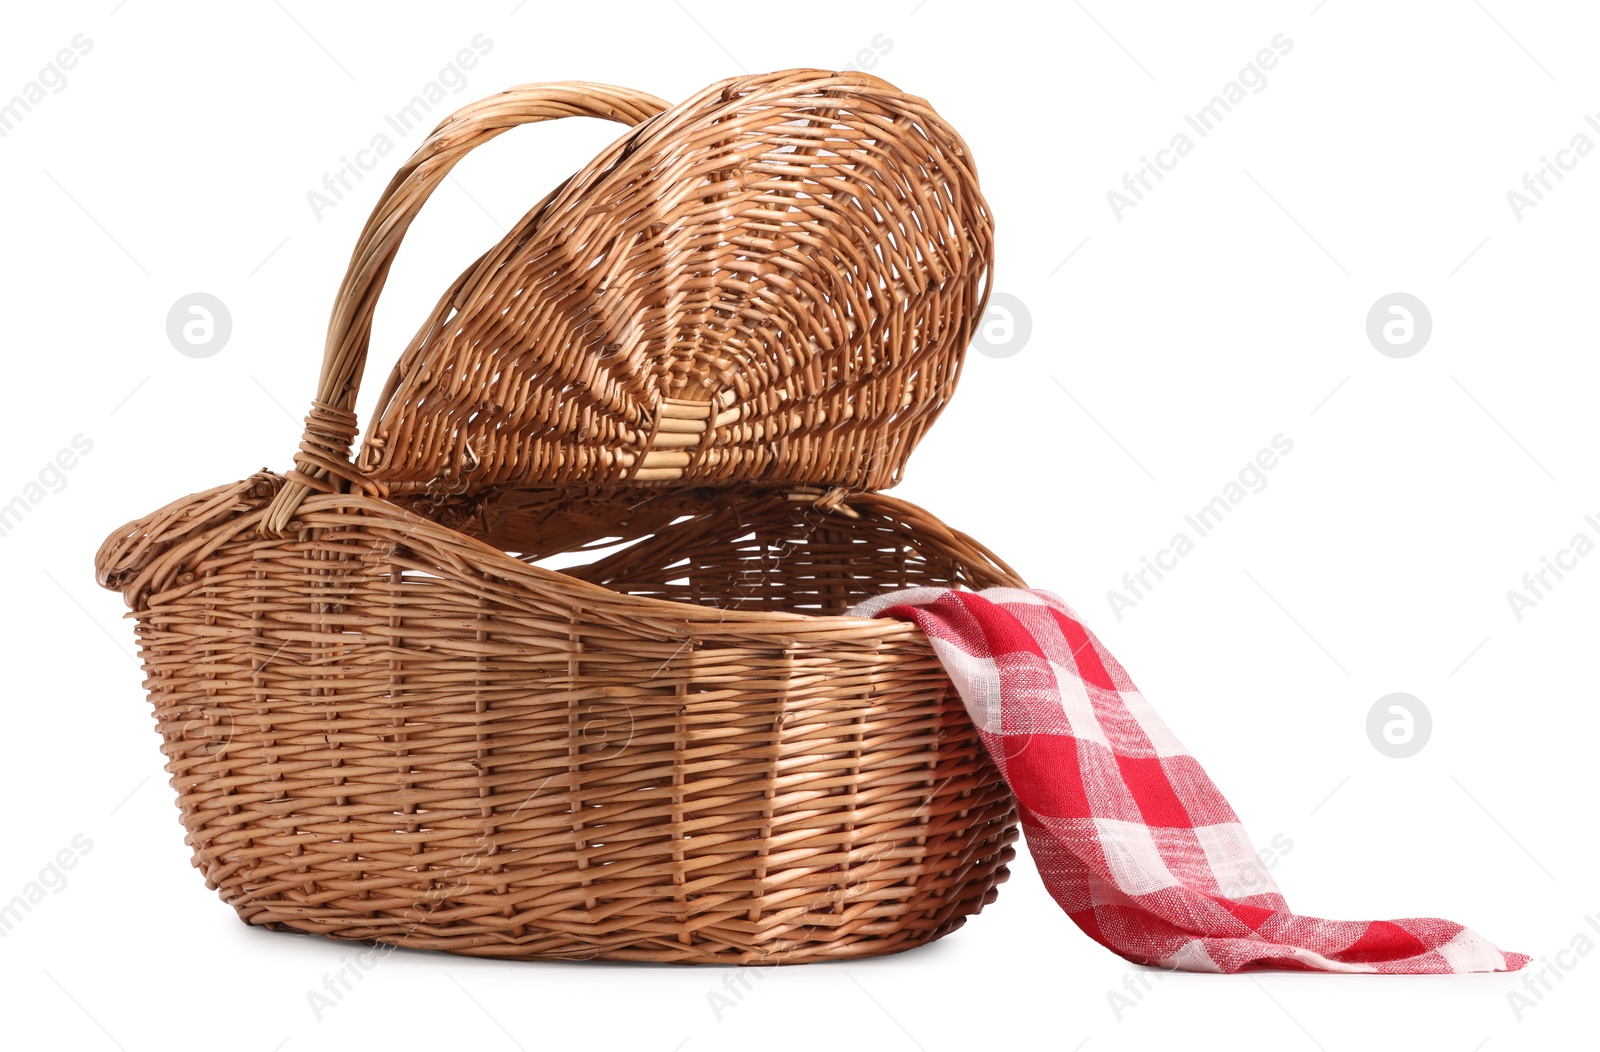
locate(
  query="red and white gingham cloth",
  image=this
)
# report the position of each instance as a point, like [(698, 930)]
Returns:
[(1130, 836)]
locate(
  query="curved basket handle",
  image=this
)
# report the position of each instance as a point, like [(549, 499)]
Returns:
[(331, 426)]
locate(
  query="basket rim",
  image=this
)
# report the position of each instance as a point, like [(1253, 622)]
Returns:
[(148, 570), (634, 604)]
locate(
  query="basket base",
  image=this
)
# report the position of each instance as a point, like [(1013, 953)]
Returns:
[(850, 948)]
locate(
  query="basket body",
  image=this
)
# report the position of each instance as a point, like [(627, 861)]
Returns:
[(381, 728)]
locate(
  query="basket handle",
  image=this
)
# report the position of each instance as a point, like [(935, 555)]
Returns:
[(323, 463)]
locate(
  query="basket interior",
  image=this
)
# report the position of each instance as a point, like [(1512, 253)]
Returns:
[(733, 549)]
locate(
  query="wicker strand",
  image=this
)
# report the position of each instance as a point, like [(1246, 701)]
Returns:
[(324, 461)]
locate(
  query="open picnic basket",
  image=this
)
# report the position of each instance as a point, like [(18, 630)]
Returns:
[(684, 375)]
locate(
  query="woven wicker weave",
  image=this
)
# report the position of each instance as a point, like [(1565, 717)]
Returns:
[(774, 281), (384, 721)]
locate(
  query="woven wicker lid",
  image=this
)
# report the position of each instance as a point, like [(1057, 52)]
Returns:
[(774, 281)]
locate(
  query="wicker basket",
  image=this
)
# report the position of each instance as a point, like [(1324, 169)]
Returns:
[(384, 721)]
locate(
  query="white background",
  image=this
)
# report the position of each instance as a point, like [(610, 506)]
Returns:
[(1166, 348)]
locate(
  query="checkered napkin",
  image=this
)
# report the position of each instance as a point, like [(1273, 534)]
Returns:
[(1129, 834)]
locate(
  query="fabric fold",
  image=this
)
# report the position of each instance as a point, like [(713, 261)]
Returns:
[(1131, 837)]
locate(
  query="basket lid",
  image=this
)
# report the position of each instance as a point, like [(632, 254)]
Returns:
[(773, 282)]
